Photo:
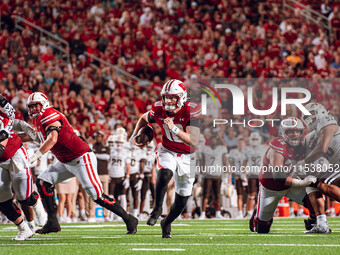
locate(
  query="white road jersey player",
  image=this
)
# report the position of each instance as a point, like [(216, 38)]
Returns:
[(213, 160), (117, 162)]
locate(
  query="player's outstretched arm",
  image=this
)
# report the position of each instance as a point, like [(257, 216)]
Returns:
[(52, 132), (326, 136), (277, 162), (143, 121), (29, 132)]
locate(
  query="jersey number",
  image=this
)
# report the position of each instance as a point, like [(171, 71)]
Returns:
[(170, 136), (118, 161)]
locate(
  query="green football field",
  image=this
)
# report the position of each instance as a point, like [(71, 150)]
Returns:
[(189, 237)]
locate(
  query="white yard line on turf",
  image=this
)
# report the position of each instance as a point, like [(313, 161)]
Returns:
[(165, 249), (229, 244)]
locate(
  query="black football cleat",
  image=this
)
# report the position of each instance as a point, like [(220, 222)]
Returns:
[(51, 226), (131, 225), (154, 215), (251, 222), (309, 223), (166, 230)]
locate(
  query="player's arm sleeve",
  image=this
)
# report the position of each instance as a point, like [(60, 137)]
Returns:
[(150, 118), (194, 123), (195, 115), (103, 156)]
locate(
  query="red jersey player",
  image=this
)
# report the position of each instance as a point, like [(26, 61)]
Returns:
[(75, 159), (179, 121), (15, 174), (274, 178)]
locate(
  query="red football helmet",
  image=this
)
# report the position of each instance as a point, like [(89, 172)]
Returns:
[(177, 89), (37, 98)]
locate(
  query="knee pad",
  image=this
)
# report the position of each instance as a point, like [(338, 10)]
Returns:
[(31, 200), (11, 210), (164, 175), (105, 201), (262, 227), (44, 188)]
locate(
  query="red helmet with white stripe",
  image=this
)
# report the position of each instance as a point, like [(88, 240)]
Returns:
[(176, 89), (34, 99), (289, 127)]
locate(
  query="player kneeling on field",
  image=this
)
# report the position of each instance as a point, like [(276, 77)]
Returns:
[(276, 183)]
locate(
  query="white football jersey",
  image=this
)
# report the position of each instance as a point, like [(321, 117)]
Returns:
[(254, 155), (213, 159), (333, 152), (117, 163), (150, 160), (237, 158), (324, 121), (136, 155)]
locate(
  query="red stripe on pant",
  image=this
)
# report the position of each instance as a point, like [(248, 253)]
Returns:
[(24, 151), (258, 201), (94, 176), (158, 164), (89, 175), (28, 183)]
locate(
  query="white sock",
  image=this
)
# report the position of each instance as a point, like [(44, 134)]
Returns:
[(300, 211), (122, 201), (332, 210), (82, 212), (31, 224), (250, 212), (135, 212), (23, 226), (38, 207), (291, 210), (202, 214), (321, 218), (240, 213), (218, 213)]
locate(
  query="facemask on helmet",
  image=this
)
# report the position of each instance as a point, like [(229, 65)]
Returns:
[(255, 139), (150, 148), (173, 89), (119, 142), (34, 99), (317, 111), (293, 131), (111, 141)]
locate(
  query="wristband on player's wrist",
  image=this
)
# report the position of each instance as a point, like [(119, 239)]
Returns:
[(175, 130), (141, 176), (127, 176)]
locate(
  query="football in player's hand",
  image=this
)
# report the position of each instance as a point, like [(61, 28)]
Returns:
[(145, 135)]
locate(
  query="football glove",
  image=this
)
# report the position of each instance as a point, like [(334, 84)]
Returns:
[(35, 157), (305, 182), (126, 183), (139, 185)]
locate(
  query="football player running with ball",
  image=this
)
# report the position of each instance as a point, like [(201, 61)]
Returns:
[(75, 159), (179, 121)]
